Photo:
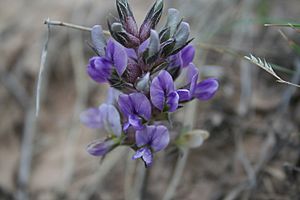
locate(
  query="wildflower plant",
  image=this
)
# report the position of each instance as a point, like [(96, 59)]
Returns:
[(141, 66)]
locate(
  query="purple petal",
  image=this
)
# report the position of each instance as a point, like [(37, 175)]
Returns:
[(147, 157), (160, 87), (143, 137), (131, 53), (206, 89), (145, 154), (135, 121), (110, 119), (176, 60), (172, 101), (138, 154), (184, 95), (192, 76), (155, 136), (160, 138), (141, 104), (117, 54), (99, 69), (157, 94), (143, 46), (135, 104), (91, 118), (187, 55), (100, 148), (125, 105)]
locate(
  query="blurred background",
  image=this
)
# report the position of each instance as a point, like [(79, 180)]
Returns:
[(253, 151)]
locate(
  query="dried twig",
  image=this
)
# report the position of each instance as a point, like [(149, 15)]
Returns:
[(69, 25)]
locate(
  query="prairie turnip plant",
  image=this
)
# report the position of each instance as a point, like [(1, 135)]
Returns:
[(141, 66)]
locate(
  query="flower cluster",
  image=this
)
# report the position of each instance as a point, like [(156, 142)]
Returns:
[(141, 65)]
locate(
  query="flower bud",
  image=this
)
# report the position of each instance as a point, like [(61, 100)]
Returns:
[(133, 72), (152, 18), (173, 20), (126, 17), (98, 39), (119, 33), (152, 52), (100, 148), (182, 34), (194, 138), (143, 83)]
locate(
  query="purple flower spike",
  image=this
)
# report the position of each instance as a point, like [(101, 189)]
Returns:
[(100, 148), (187, 55), (162, 92), (117, 54), (136, 107), (206, 89), (99, 69), (155, 137)]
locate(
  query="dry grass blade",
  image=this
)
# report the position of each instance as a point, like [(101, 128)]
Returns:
[(40, 77), (293, 25), (268, 68)]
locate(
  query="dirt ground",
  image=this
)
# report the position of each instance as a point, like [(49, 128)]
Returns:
[(253, 151)]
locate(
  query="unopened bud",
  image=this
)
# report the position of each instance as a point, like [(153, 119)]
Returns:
[(152, 18), (143, 83), (193, 139), (98, 39)]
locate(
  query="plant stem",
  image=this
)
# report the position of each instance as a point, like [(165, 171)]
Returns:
[(69, 25), (177, 175)]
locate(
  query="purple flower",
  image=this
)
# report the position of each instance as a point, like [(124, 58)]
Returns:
[(100, 148), (183, 58), (162, 92), (187, 55), (117, 55), (151, 138), (136, 108), (204, 90), (100, 67), (105, 117)]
